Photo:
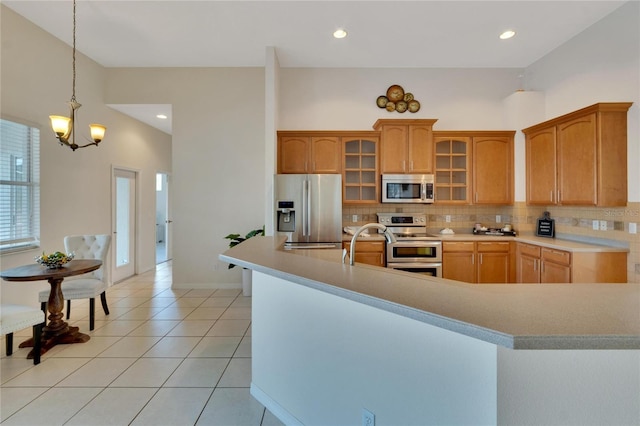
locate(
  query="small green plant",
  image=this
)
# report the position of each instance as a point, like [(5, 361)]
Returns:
[(236, 239)]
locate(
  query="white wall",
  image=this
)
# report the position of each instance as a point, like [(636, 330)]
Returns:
[(218, 159), (601, 64), (568, 387), (344, 99), (75, 186)]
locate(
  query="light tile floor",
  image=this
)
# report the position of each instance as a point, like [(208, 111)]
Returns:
[(162, 357)]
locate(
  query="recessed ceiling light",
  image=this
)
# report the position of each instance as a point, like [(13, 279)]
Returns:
[(339, 33), (507, 34), (161, 116)]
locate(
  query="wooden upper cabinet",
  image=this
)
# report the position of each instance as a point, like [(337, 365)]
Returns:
[(541, 166), (360, 174), (579, 158), (326, 155), (577, 161), (420, 147), (293, 154), (394, 150), (452, 168), (406, 145), (474, 167), (493, 169), (309, 153)]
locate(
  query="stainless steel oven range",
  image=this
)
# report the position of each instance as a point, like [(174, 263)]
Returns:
[(415, 250)]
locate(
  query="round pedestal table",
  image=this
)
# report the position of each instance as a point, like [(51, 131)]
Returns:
[(56, 331)]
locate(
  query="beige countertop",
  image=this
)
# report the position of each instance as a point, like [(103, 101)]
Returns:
[(518, 316), (553, 243)]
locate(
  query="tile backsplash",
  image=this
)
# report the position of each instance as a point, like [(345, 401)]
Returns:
[(570, 222)]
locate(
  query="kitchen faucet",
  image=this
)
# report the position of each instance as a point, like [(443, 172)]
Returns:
[(352, 251)]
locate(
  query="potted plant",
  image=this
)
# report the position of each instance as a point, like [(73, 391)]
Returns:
[(236, 239)]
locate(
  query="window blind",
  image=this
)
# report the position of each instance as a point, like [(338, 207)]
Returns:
[(19, 186)]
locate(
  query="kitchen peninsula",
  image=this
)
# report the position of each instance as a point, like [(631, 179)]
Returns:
[(330, 339)]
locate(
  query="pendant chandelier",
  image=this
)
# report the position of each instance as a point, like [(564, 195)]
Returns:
[(63, 126)]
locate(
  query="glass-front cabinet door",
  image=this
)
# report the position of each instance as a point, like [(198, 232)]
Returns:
[(452, 165), (360, 179)]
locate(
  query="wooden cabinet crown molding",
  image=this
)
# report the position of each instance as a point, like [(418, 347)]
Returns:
[(329, 133), (472, 133), (403, 121)]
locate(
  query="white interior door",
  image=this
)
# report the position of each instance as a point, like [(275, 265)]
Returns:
[(163, 218), (124, 223)]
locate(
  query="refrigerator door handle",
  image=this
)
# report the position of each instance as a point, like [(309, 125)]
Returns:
[(308, 208), (306, 197)]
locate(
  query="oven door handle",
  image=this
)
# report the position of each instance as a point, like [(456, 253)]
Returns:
[(414, 265), (417, 243)]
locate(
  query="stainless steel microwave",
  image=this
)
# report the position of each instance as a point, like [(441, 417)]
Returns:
[(407, 189)]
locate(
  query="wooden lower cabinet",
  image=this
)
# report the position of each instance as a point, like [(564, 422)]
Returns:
[(477, 262), (555, 266), (493, 262), (527, 263), (368, 252), (458, 261), (535, 264)]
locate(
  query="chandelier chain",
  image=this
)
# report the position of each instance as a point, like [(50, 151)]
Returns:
[(63, 127), (73, 62)]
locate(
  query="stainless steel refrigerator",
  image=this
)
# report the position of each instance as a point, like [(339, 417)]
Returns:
[(309, 209)]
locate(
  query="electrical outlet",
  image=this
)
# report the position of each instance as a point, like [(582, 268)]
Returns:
[(354, 218), (595, 225), (603, 225), (368, 418), (215, 266), (633, 229), (498, 218), (447, 218)]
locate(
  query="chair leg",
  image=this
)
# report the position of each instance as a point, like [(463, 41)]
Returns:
[(37, 342), (103, 299), (68, 308), (92, 313), (9, 340)]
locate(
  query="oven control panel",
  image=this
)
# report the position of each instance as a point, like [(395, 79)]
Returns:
[(402, 219)]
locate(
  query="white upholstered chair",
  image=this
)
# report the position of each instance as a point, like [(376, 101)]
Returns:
[(18, 317), (90, 285)]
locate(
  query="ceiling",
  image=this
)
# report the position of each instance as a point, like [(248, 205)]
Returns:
[(395, 34)]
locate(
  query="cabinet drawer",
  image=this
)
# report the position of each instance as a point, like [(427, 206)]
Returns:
[(556, 256), (493, 247), (458, 246), (529, 250), (366, 246)]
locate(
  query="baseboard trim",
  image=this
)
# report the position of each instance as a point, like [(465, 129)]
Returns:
[(276, 409)]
